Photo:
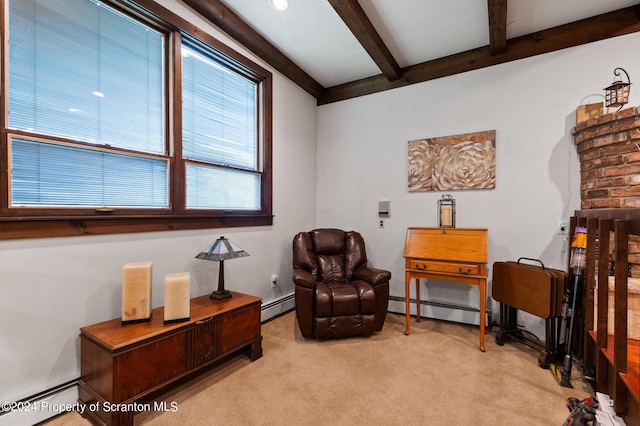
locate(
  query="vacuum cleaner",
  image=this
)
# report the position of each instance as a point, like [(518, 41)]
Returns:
[(568, 320)]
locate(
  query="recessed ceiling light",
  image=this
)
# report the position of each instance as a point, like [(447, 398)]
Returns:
[(279, 4)]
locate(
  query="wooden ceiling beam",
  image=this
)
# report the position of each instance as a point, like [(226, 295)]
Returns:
[(358, 22), (227, 20), (600, 27), (497, 26)]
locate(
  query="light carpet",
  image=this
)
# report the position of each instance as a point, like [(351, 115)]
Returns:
[(435, 376)]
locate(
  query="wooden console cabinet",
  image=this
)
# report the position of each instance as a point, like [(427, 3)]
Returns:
[(123, 364), (451, 254)]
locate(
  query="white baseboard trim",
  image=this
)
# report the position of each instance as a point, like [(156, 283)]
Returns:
[(278, 306), (39, 408)]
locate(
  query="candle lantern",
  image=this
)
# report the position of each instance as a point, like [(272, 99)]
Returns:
[(447, 211), (177, 306), (617, 94), (136, 292)]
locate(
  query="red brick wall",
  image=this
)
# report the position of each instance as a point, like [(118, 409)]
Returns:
[(610, 160), (609, 150)]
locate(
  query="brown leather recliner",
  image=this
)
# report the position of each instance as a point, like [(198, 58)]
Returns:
[(337, 294)]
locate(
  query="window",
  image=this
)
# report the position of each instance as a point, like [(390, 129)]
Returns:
[(67, 79), (52, 174), (219, 134), (127, 119)]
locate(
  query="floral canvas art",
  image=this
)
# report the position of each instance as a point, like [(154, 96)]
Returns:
[(465, 161)]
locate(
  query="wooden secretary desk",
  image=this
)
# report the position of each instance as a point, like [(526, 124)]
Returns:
[(451, 254)]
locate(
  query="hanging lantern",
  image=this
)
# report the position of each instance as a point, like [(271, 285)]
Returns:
[(447, 211), (618, 93)]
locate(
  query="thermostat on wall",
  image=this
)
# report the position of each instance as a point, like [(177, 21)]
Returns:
[(384, 208)]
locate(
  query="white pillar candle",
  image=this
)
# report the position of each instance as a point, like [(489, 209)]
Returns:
[(136, 292), (176, 297)]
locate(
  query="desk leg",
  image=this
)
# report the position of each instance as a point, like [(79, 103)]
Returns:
[(418, 304), (407, 301), (483, 310)]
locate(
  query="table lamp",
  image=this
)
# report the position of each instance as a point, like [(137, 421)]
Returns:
[(222, 249)]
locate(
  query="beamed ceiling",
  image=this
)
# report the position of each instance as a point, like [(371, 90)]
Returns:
[(341, 49)]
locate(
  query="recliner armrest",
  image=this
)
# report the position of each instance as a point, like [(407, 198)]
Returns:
[(372, 275), (303, 278)]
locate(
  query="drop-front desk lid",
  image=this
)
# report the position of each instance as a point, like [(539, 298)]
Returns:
[(449, 244)]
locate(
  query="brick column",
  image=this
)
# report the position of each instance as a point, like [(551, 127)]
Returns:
[(609, 150)]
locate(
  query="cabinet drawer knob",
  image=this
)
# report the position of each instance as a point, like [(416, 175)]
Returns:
[(464, 271), (421, 267)]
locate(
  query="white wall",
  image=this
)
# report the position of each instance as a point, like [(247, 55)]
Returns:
[(49, 288), (362, 158)]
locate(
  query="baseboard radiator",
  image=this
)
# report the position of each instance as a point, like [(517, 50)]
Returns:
[(278, 307), (41, 406), (59, 399)]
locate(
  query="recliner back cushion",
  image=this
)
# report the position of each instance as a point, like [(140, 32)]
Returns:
[(329, 246), (328, 241), (304, 257), (331, 255), (355, 254), (331, 269)]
